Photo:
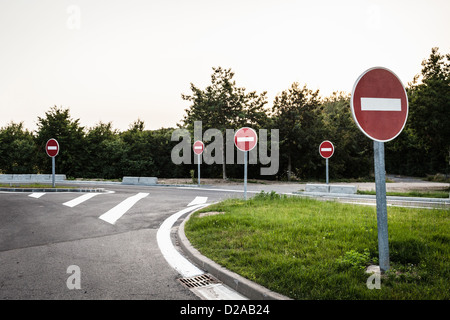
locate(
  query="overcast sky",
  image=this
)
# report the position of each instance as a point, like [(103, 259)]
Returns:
[(122, 60)]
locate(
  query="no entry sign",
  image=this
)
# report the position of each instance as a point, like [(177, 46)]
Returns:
[(52, 148), (245, 139), (198, 147), (379, 104), (326, 149)]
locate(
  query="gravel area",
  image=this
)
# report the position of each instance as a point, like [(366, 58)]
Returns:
[(396, 183)]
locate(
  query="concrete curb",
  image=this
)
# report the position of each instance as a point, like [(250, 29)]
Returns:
[(238, 283), (51, 190)]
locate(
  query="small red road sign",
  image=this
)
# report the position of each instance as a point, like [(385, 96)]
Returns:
[(245, 139), (198, 147), (52, 148), (326, 149), (379, 104)]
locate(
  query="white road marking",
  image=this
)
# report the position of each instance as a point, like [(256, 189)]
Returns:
[(172, 256), (217, 292), (81, 199), (36, 195), (186, 268), (118, 211), (198, 200), (381, 104)]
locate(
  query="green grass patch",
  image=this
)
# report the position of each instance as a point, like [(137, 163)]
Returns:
[(309, 249), (426, 194)]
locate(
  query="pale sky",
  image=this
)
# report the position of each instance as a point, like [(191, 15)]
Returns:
[(123, 60)]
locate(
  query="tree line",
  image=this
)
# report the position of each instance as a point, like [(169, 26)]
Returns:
[(301, 115)]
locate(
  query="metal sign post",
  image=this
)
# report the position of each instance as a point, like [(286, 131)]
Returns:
[(198, 170), (53, 172), (382, 222), (245, 139), (245, 175), (326, 164)]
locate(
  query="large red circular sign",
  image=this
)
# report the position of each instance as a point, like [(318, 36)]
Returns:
[(326, 149), (245, 139), (198, 147), (379, 104), (52, 148)]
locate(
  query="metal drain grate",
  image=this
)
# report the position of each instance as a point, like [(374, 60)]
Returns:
[(199, 281)]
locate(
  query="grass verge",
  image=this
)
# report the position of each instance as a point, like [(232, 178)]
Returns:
[(309, 249)]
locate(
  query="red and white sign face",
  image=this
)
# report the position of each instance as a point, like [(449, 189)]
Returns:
[(379, 104), (245, 139), (326, 149), (198, 147), (52, 148)]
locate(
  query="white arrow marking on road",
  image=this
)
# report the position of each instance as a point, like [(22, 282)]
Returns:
[(381, 104), (36, 195), (81, 199), (198, 200), (118, 211), (245, 139), (172, 256)]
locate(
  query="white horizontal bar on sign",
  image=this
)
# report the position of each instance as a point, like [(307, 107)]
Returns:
[(52, 148), (326, 149), (245, 139), (381, 104), (198, 148)]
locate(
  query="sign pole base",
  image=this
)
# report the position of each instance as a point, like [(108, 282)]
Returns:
[(382, 223), (198, 160)]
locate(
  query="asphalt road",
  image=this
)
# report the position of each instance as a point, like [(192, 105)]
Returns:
[(40, 238)]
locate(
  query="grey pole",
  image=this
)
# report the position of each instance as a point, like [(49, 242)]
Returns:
[(198, 158), (380, 187), (327, 169), (53, 172), (245, 175)]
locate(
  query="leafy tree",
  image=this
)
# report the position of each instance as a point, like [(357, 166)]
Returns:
[(137, 158), (72, 157), (353, 155), (296, 114), (223, 105), (17, 149), (429, 113), (102, 159)]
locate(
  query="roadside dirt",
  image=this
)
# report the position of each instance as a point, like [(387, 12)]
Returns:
[(395, 183)]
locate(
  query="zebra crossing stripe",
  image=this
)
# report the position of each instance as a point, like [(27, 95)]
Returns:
[(74, 202)]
